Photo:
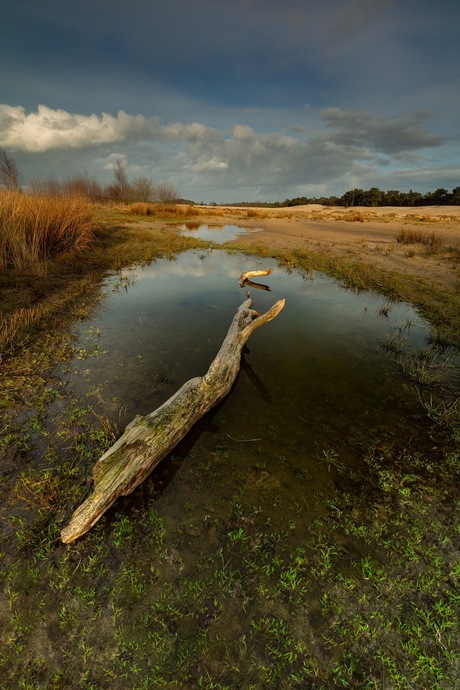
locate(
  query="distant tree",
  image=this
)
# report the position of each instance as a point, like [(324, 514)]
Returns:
[(82, 185), (142, 189), (120, 186), (347, 199), (393, 198), (455, 196), (376, 197), (165, 192), (355, 197), (373, 197), (48, 186), (439, 196), (329, 201), (297, 201), (412, 198), (9, 171)]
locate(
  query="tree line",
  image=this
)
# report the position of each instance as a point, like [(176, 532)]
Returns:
[(370, 197), (143, 189), (376, 197)]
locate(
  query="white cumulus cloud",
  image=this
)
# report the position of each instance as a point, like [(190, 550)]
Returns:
[(49, 129), (211, 165)]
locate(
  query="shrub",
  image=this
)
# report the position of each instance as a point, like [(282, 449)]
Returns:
[(432, 241), (141, 208), (35, 228), (76, 185), (165, 192), (355, 217), (409, 236), (254, 213)]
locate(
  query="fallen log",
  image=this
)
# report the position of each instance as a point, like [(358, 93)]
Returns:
[(147, 440)]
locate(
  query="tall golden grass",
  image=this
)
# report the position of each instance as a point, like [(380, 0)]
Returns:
[(144, 208), (433, 241), (34, 228)]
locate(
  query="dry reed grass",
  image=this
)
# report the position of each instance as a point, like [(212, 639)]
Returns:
[(432, 241), (256, 213), (355, 216), (35, 228), (142, 208)]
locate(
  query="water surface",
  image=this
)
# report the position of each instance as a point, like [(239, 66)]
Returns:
[(214, 233), (313, 382)]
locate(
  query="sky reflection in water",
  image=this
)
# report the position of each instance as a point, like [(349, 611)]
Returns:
[(310, 380), (214, 233)]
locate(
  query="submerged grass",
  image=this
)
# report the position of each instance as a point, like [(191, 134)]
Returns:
[(358, 589)]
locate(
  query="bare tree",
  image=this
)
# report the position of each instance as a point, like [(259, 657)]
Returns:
[(121, 179), (166, 192), (141, 189), (49, 186), (82, 185), (9, 171)]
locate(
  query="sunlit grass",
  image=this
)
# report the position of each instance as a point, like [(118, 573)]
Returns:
[(35, 228), (167, 211), (432, 241), (142, 208), (355, 216)]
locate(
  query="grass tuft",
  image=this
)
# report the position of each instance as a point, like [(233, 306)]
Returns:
[(35, 228), (355, 217), (433, 241), (163, 211)]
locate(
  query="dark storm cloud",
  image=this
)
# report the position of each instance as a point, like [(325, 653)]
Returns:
[(391, 135)]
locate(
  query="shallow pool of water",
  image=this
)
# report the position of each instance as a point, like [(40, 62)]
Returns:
[(214, 233), (313, 382)]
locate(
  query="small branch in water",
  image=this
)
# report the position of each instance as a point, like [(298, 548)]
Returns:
[(243, 440), (253, 274)]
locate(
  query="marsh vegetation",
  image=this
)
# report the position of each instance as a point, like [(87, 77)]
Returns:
[(289, 554), (35, 228)]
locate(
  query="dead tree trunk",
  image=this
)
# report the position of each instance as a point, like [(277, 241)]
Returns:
[(147, 440)]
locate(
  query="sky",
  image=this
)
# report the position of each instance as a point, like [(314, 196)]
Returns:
[(248, 100)]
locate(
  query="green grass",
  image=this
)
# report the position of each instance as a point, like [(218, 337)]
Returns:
[(369, 598)]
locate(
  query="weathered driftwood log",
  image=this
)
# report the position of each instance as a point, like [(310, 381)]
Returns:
[(253, 274), (147, 440)]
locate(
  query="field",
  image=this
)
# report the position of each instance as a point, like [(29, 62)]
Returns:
[(178, 590)]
